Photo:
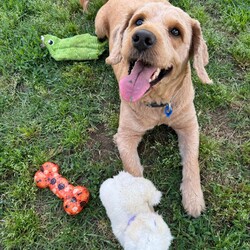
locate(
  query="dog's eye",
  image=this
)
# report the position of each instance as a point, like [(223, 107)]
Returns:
[(175, 32), (139, 22)]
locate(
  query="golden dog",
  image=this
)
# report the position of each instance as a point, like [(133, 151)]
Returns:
[(151, 43)]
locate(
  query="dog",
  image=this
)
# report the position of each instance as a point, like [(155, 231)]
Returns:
[(129, 202), (151, 43)]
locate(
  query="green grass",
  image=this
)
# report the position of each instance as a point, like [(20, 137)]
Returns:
[(67, 112)]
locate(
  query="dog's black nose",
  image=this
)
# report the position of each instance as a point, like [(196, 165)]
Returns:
[(143, 39)]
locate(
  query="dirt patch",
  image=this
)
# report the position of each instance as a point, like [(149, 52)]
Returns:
[(101, 143), (219, 127)]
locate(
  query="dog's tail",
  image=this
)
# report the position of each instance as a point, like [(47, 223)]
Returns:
[(85, 4)]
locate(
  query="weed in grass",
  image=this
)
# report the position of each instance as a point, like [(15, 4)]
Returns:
[(245, 151), (21, 229), (241, 50)]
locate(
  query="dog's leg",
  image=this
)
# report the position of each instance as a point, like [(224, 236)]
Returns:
[(192, 196), (128, 137), (127, 142)]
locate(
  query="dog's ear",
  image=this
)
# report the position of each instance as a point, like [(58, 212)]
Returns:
[(149, 192), (117, 37), (199, 52), (156, 197)]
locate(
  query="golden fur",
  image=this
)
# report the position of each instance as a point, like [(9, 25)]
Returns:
[(116, 21)]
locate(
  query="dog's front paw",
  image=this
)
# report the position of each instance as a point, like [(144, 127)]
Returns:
[(192, 198), (136, 172)]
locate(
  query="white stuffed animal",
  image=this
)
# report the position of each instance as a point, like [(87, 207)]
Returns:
[(129, 202)]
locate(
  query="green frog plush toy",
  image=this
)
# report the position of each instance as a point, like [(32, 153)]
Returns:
[(79, 47)]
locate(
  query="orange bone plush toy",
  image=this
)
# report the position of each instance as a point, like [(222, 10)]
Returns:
[(74, 198)]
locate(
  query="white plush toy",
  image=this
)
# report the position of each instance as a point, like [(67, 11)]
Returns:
[(129, 205)]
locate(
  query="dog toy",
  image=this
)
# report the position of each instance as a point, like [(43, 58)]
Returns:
[(79, 47), (74, 198), (129, 202)]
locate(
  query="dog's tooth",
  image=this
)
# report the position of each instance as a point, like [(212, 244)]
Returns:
[(155, 75)]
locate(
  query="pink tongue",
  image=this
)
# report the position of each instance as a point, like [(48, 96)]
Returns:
[(134, 86)]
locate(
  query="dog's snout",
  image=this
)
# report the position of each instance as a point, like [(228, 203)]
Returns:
[(143, 39)]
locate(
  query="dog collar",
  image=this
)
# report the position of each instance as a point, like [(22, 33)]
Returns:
[(156, 105), (168, 110)]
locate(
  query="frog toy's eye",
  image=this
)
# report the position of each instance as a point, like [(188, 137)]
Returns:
[(50, 42)]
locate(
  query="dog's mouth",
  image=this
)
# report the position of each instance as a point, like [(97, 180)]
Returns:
[(141, 77), (156, 76)]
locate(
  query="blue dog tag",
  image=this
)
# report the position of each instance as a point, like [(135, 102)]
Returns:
[(168, 110)]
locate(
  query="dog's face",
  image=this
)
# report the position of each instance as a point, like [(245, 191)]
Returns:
[(162, 40), (158, 39)]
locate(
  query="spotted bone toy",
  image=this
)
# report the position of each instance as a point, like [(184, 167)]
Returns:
[(74, 198)]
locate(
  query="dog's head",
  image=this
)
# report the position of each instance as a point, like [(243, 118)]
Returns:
[(133, 193), (158, 39)]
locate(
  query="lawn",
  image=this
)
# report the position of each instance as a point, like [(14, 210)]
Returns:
[(67, 112)]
